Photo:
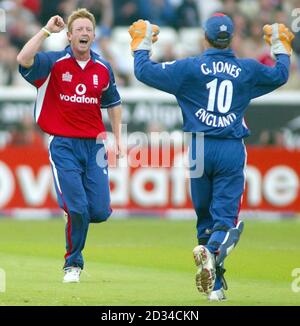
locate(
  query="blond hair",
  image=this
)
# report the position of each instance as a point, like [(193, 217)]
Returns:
[(80, 13)]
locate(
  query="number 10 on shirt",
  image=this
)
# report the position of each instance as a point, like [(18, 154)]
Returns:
[(223, 92)]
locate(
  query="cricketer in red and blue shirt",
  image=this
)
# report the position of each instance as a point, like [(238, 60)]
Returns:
[(73, 86)]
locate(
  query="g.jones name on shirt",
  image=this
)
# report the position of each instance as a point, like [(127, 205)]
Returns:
[(221, 67)]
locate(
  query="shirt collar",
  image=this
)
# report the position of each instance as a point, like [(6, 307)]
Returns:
[(213, 51), (94, 56)]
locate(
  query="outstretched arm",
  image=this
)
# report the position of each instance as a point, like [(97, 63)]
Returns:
[(26, 56), (268, 78), (166, 76)]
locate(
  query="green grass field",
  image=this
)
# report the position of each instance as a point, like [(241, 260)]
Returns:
[(144, 262)]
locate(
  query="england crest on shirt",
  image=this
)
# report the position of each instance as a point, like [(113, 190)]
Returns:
[(95, 80), (67, 77)]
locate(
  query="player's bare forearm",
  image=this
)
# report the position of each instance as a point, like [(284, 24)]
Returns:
[(115, 117), (26, 56)]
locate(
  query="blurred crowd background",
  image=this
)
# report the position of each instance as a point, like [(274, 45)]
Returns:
[(273, 147), (181, 35)]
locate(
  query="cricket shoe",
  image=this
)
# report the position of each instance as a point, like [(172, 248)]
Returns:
[(232, 237), (217, 295), (72, 275), (206, 273)]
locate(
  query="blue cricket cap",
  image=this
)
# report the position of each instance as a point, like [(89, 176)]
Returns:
[(219, 28)]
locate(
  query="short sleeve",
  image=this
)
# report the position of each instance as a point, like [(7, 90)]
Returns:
[(110, 97), (39, 70)]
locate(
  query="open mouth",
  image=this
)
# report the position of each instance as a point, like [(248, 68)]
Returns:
[(84, 42)]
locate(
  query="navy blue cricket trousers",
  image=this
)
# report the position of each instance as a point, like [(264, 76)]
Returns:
[(217, 194), (82, 188)]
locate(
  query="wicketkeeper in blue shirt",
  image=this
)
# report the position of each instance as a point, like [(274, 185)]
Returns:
[(213, 91)]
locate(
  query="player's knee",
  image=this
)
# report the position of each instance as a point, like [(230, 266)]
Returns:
[(203, 241), (78, 217), (100, 215), (201, 210), (224, 223)]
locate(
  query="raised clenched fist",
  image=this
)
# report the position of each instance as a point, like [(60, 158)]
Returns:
[(55, 24)]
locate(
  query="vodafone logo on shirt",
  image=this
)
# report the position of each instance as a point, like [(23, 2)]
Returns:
[(79, 97), (80, 89)]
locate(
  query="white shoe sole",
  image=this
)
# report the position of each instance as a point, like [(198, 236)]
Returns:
[(206, 274), (71, 281), (72, 275), (217, 295)]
